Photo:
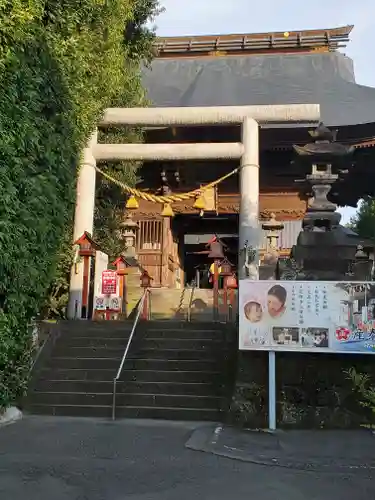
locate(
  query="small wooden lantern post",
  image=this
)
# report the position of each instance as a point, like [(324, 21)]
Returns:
[(216, 253), (145, 284), (122, 270), (87, 250), (231, 285)]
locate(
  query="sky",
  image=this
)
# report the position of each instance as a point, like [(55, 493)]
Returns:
[(205, 17)]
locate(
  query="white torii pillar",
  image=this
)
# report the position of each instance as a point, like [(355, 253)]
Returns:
[(247, 151), (83, 221)]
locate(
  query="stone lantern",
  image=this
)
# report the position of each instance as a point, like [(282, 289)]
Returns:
[(128, 234), (273, 229), (268, 267), (323, 250), (324, 156), (362, 265)]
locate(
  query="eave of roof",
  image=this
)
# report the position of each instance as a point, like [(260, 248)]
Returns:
[(305, 40)]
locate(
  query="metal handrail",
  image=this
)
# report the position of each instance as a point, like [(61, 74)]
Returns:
[(194, 286), (119, 371)]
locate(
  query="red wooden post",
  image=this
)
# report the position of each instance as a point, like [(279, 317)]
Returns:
[(85, 286), (226, 272), (145, 284), (225, 298), (232, 285), (216, 289), (122, 270), (144, 315), (87, 250), (216, 253)]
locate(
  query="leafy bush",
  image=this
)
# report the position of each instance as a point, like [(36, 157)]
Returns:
[(363, 386), (57, 296), (61, 64), (248, 403)]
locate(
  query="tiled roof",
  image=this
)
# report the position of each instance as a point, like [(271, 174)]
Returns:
[(315, 78)]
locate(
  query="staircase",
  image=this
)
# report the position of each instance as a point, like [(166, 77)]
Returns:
[(175, 370)]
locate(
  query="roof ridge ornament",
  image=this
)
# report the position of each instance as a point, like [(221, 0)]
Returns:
[(323, 133)]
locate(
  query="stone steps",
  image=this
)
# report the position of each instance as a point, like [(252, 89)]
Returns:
[(164, 413), (129, 387), (175, 370)]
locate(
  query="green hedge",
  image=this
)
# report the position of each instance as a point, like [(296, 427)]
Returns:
[(61, 64)]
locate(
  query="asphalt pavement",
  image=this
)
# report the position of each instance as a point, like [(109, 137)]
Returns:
[(83, 459)]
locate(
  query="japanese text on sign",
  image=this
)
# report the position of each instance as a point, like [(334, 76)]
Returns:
[(109, 282)]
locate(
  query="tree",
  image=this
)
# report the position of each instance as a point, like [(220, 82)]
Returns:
[(363, 223), (61, 64)]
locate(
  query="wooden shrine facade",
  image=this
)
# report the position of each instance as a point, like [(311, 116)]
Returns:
[(160, 239), (158, 251)]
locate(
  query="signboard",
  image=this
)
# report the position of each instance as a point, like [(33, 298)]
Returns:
[(210, 199), (318, 316), (102, 303), (109, 282), (101, 264)]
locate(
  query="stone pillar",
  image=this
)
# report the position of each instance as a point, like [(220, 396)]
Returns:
[(85, 201), (83, 221), (164, 272), (249, 230)]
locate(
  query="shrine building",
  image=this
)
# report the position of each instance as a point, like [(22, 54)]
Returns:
[(235, 70)]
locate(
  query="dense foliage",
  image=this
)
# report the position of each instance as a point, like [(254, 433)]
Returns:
[(363, 385), (61, 64)]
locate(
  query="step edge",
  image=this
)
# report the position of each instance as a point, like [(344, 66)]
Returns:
[(175, 360), (124, 394), (124, 382), (206, 330), (128, 370), (171, 349), (142, 359), (127, 407), (69, 357), (43, 405), (75, 381)]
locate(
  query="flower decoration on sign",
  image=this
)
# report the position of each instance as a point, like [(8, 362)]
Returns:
[(342, 333)]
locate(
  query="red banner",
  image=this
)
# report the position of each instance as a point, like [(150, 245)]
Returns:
[(109, 282)]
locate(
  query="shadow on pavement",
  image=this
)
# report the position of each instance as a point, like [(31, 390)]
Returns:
[(333, 451)]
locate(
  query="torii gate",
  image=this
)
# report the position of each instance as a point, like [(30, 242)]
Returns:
[(247, 151)]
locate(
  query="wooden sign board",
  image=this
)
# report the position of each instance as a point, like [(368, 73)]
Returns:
[(210, 199)]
